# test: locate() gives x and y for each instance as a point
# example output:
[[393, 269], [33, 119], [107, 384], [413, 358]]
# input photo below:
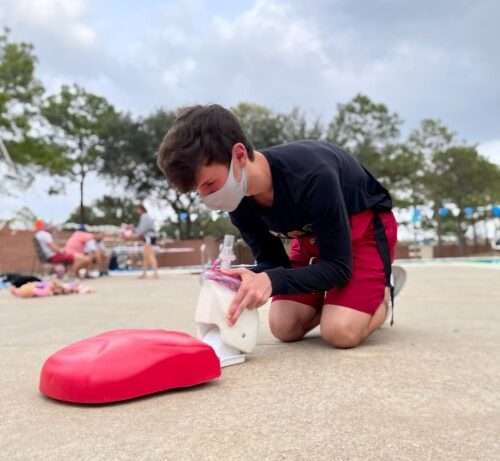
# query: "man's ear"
[[240, 154]]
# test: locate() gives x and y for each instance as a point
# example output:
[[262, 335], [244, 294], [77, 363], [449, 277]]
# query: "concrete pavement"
[[426, 389]]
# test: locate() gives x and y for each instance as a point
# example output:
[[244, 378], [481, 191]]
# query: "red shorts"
[[365, 290], [61, 258]]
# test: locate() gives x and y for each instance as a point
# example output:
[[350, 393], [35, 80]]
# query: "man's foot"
[[142, 276], [398, 279], [92, 275], [398, 282]]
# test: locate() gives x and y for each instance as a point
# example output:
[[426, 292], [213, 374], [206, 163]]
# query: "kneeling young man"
[[337, 215]]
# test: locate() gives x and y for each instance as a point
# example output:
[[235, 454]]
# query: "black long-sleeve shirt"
[[316, 187]]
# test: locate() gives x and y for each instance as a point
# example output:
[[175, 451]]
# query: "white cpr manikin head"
[[213, 303]]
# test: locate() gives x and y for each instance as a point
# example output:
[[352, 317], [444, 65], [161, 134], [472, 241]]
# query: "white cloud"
[[281, 55], [174, 75], [43, 12], [422, 64], [490, 149], [274, 24], [266, 54], [83, 34], [438, 62], [61, 19], [53, 208]]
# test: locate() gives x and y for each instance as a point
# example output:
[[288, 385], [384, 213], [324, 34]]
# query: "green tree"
[[266, 128], [364, 128], [219, 227], [203, 225], [130, 159], [402, 171], [370, 132], [425, 143], [80, 120], [263, 127], [20, 120], [108, 210], [463, 177], [294, 127], [430, 137], [20, 91]]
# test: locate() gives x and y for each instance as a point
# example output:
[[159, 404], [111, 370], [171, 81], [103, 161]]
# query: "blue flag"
[[444, 212]]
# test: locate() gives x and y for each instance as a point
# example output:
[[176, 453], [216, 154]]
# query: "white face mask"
[[229, 196]]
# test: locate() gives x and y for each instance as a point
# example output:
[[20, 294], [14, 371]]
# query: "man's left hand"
[[254, 291]]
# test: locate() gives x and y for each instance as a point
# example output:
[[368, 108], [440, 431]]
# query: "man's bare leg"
[[105, 261], [291, 320], [149, 252], [154, 263], [102, 261], [80, 262], [145, 262], [380, 315], [344, 327]]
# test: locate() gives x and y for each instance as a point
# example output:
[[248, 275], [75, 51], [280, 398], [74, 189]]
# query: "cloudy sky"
[[423, 59]]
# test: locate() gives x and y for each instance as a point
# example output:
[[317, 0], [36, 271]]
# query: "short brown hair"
[[200, 135]]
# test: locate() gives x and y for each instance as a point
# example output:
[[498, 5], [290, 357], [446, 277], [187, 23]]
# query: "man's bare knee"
[[286, 330], [290, 320], [342, 336]]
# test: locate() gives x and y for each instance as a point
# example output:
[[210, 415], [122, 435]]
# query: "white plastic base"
[[227, 355], [213, 303]]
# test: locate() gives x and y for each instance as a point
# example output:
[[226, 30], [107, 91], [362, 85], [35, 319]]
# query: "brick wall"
[[452, 251], [17, 253], [181, 253], [405, 250]]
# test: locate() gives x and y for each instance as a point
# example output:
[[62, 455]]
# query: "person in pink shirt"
[[75, 245], [85, 244]]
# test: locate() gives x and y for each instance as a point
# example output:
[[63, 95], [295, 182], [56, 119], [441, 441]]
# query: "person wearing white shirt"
[[146, 232], [56, 255]]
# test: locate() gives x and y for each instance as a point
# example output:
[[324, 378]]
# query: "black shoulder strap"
[[385, 255]]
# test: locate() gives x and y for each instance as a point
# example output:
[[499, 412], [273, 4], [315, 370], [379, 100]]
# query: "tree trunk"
[[180, 228], [461, 236], [188, 226], [180, 224], [439, 225], [474, 233], [439, 232], [82, 209]]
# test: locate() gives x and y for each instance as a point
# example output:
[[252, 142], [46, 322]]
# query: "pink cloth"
[[49, 288], [76, 243], [42, 289], [232, 282]]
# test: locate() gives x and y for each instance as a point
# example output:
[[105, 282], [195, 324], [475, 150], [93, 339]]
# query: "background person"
[[55, 254], [87, 244], [145, 232]]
